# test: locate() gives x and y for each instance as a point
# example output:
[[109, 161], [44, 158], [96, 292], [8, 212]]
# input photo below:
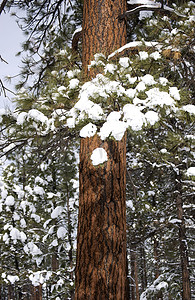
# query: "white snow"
[[163, 81], [132, 2], [148, 79], [143, 55], [110, 68], [36, 278], [134, 118], [79, 29], [130, 93], [9, 201], [189, 108], [17, 235], [155, 55], [156, 97], [174, 92], [61, 89], [99, 156], [163, 150], [131, 80], [88, 130], [21, 118], [114, 128], [124, 62], [141, 86], [162, 285], [39, 190], [31, 248], [57, 212], [152, 117], [61, 232], [73, 84], [36, 218], [12, 279], [190, 171]]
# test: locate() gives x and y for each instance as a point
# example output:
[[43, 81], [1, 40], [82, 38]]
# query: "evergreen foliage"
[[39, 181]]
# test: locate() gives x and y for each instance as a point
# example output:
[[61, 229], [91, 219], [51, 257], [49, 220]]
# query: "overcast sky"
[[10, 43]]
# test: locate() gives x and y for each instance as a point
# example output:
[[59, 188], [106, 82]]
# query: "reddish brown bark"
[[36, 292], [101, 241], [101, 271], [102, 32]]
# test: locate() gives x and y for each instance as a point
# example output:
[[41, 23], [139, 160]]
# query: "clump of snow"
[[31, 248], [189, 108], [88, 130], [131, 80], [143, 55], [133, 117], [99, 156], [110, 68], [10, 201], [130, 93], [174, 92], [163, 151], [36, 278], [163, 81], [73, 84], [124, 62], [15, 235], [141, 86], [152, 117], [148, 79], [57, 212], [156, 97], [155, 55], [12, 279], [113, 128], [162, 285], [61, 232], [39, 190], [190, 171]]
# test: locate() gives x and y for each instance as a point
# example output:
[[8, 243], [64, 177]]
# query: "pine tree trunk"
[[36, 292], [101, 241], [186, 290], [134, 274], [101, 238], [156, 258], [143, 269], [102, 31]]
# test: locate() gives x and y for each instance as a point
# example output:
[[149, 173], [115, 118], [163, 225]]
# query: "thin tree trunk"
[[36, 292], [134, 275], [101, 239], [186, 290], [156, 258], [143, 269]]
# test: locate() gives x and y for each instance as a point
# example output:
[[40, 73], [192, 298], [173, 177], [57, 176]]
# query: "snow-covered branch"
[[150, 7]]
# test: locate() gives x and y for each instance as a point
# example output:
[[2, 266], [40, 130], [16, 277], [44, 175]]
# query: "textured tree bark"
[[101, 271], [101, 241], [36, 292], [186, 289], [102, 32]]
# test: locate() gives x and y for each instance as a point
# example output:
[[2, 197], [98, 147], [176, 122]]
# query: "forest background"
[[146, 87]]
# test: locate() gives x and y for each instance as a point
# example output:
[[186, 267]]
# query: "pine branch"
[[2, 6], [157, 7]]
